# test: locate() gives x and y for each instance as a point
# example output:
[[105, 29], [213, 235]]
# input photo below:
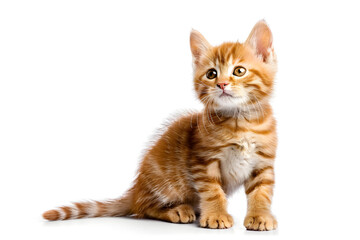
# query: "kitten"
[[203, 157]]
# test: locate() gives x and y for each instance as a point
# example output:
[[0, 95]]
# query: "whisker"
[[207, 109], [197, 122], [261, 108], [204, 124]]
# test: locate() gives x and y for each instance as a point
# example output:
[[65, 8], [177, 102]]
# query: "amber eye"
[[211, 74], [239, 71]]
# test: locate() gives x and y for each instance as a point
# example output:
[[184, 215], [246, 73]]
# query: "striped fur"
[[203, 157], [110, 208]]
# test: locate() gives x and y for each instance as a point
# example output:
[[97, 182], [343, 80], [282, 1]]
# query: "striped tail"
[[111, 208]]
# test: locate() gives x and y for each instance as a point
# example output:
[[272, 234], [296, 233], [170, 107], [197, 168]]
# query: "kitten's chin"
[[231, 106], [229, 102]]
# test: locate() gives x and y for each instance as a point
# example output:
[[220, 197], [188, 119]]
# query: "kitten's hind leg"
[[183, 213]]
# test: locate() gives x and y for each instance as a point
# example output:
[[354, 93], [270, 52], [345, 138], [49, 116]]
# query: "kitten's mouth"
[[224, 94]]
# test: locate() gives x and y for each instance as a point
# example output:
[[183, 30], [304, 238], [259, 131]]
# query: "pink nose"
[[222, 85]]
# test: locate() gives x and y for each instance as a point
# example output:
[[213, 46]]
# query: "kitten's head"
[[234, 76]]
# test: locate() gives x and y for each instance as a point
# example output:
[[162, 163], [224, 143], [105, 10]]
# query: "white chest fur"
[[237, 162]]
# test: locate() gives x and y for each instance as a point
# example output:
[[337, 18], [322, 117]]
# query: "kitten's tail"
[[110, 208]]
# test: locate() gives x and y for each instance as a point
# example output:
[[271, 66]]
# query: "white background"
[[85, 84]]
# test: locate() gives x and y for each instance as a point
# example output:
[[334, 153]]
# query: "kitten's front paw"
[[216, 220], [260, 222]]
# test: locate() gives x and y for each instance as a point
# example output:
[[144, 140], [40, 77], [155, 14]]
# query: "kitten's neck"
[[247, 113]]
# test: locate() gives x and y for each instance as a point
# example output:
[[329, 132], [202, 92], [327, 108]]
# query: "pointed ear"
[[198, 45], [260, 39]]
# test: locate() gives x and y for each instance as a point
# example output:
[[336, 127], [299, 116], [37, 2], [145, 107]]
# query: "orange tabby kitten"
[[201, 158]]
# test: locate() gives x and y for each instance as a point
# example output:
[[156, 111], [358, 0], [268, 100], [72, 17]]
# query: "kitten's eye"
[[211, 74], [239, 71]]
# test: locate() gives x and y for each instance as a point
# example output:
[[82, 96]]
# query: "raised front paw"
[[260, 222], [216, 220]]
